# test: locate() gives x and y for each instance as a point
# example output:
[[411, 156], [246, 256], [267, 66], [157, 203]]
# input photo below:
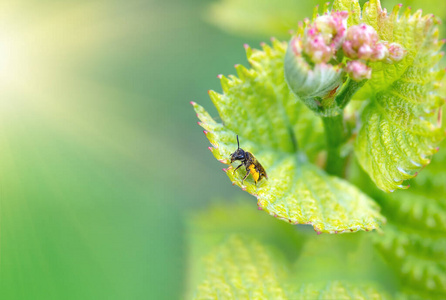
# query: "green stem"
[[335, 131], [335, 136], [346, 94]]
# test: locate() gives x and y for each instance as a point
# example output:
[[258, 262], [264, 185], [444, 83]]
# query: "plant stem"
[[335, 131], [335, 135], [348, 91]]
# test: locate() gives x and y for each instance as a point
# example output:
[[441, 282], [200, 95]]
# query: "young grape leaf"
[[259, 108], [401, 123]]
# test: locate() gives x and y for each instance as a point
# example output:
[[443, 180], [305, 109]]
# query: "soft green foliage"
[[414, 243], [259, 107], [244, 269], [394, 127], [241, 269], [400, 129], [398, 134], [235, 255]]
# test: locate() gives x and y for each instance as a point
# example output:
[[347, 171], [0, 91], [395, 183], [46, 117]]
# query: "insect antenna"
[[238, 144]]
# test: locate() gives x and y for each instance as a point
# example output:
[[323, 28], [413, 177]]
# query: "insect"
[[250, 162]]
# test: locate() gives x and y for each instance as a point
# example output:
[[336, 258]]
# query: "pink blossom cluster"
[[325, 36], [358, 70], [360, 43]]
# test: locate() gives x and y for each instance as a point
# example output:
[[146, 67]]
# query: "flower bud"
[[365, 52], [380, 52], [317, 50], [360, 41], [325, 36], [311, 83], [396, 52], [358, 70], [333, 28]]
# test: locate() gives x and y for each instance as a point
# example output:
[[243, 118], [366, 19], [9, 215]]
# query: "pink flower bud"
[[325, 36], [316, 48], [296, 46], [362, 34], [396, 52], [358, 70], [333, 28], [365, 52], [360, 41], [348, 49], [380, 52]]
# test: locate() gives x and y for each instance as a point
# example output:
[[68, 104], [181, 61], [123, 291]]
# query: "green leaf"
[[339, 290], [418, 258], [242, 268], [431, 182], [234, 250], [429, 213], [400, 125], [272, 124], [414, 243]]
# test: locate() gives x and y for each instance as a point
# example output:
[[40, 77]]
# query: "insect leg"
[[238, 167], [247, 174]]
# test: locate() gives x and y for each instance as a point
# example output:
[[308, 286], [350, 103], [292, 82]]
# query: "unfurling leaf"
[[400, 125], [285, 137]]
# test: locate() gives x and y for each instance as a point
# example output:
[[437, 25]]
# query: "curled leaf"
[[312, 82]]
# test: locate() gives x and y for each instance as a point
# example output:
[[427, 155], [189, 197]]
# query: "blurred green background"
[[101, 156]]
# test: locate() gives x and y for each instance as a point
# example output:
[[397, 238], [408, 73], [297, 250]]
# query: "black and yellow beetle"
[[250, 162]]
